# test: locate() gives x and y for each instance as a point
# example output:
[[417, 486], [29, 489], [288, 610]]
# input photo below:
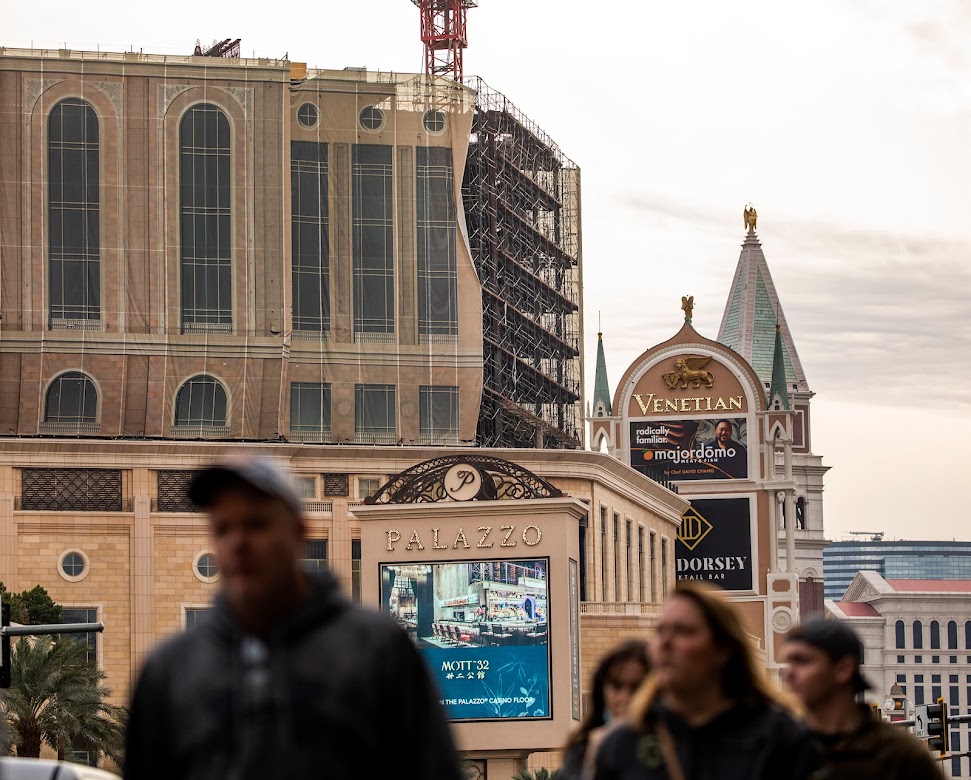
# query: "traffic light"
[[938, 738]]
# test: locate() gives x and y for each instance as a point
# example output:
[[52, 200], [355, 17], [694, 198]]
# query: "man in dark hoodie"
[[286, 679], [823, 671]]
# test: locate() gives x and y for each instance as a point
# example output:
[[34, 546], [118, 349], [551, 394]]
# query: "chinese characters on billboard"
[[690, 449], [715, 543], [482, 627]]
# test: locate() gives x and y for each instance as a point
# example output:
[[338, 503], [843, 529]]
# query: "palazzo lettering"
[[531, 536]]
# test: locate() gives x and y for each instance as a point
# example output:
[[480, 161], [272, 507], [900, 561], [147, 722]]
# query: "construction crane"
[[443, 33]]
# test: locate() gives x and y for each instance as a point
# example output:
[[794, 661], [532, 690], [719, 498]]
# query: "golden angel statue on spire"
[[687, 306], [750, 217]]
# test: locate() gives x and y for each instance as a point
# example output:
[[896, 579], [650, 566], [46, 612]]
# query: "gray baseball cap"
[[263, 474]]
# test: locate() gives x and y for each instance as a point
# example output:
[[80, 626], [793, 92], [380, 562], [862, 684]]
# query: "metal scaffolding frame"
[[522, 205]]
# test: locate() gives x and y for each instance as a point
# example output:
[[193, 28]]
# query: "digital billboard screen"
[[690, 449], [483, 628]]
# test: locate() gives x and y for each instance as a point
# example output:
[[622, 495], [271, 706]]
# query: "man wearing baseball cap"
[[823, 670], [286, 679]]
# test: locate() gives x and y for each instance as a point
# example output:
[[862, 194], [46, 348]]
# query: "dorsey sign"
[[715, 543]]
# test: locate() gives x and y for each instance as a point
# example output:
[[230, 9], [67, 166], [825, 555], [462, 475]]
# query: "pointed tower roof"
[[751, 315], [778, 388], [601, 390]]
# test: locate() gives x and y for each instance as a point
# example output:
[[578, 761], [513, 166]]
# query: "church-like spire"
[[601, 390], [752, 313], [777, 390]]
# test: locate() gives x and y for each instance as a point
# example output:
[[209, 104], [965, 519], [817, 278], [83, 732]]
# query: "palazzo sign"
[[715, 543]]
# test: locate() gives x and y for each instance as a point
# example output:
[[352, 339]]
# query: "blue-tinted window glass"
[[952, 635], [201, 402], [935, 635], [918, 635], [899, 630]]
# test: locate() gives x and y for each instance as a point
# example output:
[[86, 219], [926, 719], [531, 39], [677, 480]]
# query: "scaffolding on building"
[[522, 205]]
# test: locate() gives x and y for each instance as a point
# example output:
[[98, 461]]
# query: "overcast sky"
[[847, 124]]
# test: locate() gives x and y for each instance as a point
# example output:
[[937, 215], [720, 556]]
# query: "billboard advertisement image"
[[482, 626], [715, 543], [690, 449]]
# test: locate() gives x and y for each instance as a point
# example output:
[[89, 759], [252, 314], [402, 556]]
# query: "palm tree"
[[56, 697]]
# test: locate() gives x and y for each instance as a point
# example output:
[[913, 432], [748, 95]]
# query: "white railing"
[[318, 506], [619, 608]]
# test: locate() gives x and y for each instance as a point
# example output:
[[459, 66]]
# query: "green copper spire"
[[778, 387], [601, 390]]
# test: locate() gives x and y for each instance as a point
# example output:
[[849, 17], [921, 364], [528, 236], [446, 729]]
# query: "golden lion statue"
[[690, 369]]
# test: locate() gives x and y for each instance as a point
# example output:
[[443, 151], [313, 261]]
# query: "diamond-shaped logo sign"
[[694, 527]]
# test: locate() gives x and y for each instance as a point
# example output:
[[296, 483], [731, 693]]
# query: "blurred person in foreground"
[[707, 712], [617, 676], [823, 671], [286, 679]]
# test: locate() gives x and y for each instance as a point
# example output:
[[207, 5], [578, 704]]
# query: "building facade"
[[197, 247], [201, 253], [894, 560], [916, 635]]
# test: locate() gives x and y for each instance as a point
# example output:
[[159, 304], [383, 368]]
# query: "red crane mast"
[[443, 33]]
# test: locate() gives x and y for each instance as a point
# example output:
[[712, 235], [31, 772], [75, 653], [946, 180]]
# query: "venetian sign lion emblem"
[[690, 368]]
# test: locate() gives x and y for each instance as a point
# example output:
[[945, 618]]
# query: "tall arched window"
[[900, 631], [952, 635], [72, 398], [967, 634], [201, 402], [935, 635], [73, 214], [918, 635], [206, 227]]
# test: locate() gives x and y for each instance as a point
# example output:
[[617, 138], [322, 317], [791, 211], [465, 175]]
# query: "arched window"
[[952, 635], [935, 635], [801, 514], [206, 227], [918, 635], [900, 631], [201, 402], [73, 213], [967, 634], [71, 398]]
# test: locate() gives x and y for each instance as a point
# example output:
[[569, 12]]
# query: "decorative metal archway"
[[463, 478]]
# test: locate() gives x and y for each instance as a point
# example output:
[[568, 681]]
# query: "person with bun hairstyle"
[[707, 712], [617, 677]]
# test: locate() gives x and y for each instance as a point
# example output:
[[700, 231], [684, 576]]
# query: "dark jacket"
[[341, 692], [877, 750], [743, 743]]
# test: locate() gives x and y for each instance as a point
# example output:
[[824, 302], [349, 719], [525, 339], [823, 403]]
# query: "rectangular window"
[[88, 639], [314, 559], [629, 562], [375, 420], [640, 563], [367, 486], [373, 237], [664, 569], [438, 407], [653, 556], [617, 565], [310, 410], [953, 696], [195, 616], [918, 694], [306, 486], [437, 274], [956, 748], [310, 236], [206, 223], [603, 552], [356, 571], [73, 214], [583, 557]]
